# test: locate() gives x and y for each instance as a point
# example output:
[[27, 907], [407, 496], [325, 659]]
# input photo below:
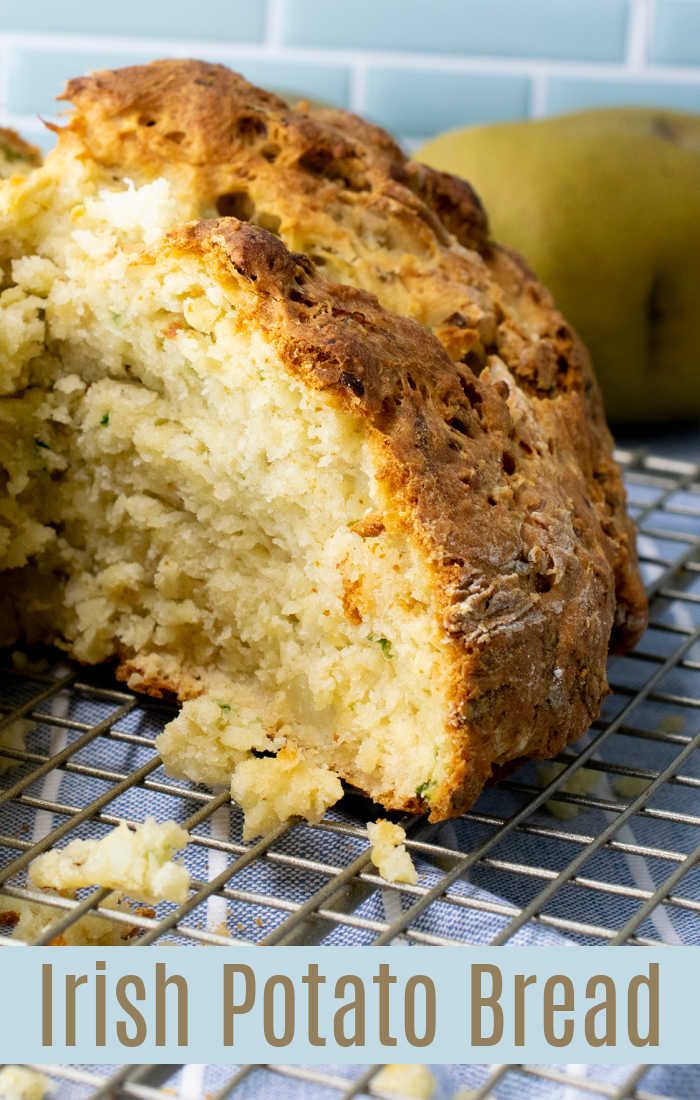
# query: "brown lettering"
[[606, 1009], [521, 983], [314, 979], [100, 1005], [384, 979], [481, 1000], [180, 985], [430, 1013], [233, 1008], [552, 1006], [126, 1003], [72, 983], [651, 984], [354, 1010], [47, 1005], [286, 985]]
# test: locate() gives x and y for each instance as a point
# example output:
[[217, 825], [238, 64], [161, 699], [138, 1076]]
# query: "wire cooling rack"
[[602, 847]]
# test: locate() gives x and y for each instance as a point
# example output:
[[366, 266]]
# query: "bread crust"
[[489, 434], [341, 190]]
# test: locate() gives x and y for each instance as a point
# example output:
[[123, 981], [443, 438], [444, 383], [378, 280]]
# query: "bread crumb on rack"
[[406, 1081], [20, 1083], [273, 789], [672, 723], [137, 861], [582, 782], [22, 662], [388, 852], [215, 732], [13, 736], [30, 919], [630, 786]]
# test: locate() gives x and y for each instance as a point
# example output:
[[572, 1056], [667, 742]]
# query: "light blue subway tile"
[[419, 101], [574, 29], [225, 20], [46, 140], [675, 38], [327, 82], [567, 94], [37, 76]]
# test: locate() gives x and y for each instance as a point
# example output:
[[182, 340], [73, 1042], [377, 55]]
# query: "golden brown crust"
[[560, 347], [495, 445], [146, 676], [341, 190], [556, 357]]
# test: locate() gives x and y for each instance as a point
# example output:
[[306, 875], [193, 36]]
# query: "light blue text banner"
[[318, 1005]]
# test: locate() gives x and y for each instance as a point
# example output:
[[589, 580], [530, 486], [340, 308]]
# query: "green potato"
[[605, 207]]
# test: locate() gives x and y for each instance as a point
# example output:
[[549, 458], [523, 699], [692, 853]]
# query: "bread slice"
[[395, 555]]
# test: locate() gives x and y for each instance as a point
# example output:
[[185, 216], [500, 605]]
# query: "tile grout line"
[[331, 56], [358, 88], [274, 24], [4, 74], [638, 35], [538, 94]]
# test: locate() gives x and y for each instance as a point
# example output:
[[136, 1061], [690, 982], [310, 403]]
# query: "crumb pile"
[[28, 920], [21, 1083], [137, 861], [389, 853]]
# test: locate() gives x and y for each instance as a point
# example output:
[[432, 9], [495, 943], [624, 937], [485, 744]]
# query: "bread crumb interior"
[[171, 496]]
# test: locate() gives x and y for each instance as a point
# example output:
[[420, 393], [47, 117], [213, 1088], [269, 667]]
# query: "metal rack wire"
[[602, 848]]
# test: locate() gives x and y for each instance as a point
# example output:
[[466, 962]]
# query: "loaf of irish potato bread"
[[286, 435]]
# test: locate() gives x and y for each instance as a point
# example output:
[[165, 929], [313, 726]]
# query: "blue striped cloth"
[[481, 903]]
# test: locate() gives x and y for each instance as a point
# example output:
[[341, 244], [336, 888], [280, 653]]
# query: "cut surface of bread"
[[386, 544]]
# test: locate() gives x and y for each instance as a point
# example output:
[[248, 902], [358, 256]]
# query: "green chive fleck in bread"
[[287, 436], [17, 157]]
